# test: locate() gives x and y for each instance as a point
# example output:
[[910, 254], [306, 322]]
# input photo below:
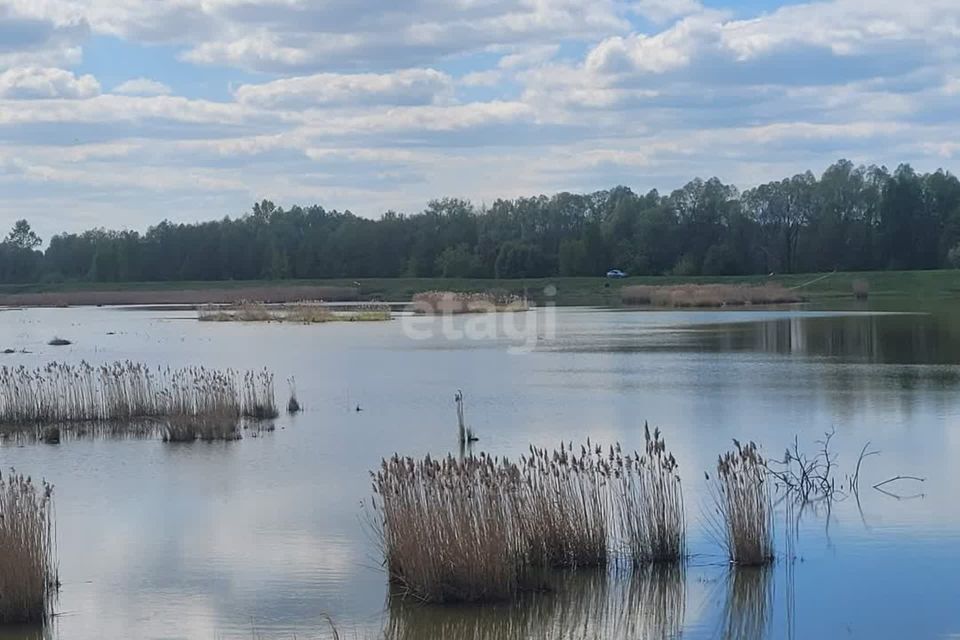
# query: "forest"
[[851, 218]]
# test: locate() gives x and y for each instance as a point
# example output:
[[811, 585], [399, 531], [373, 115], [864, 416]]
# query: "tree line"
[[849, 218]]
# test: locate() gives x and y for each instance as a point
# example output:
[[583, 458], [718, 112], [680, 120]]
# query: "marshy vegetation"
[[28, 568], [650, 504], [482, 528], [453, 303], [306, 312], [743, 516], [183, 404], [293, 404], [708, 295]]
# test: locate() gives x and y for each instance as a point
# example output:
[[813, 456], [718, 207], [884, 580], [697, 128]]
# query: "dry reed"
[[476, 528], [707, 295], [743, 519], [127, 392], [448, 531], [563, 507], [451, 302], [649, 500], [28, 570], [293, 405], [306, 312]]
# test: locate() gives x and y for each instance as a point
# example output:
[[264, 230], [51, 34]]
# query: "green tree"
[[22, 236], [458, 262]]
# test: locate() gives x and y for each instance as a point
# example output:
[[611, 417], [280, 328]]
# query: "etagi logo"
[[461, 317]]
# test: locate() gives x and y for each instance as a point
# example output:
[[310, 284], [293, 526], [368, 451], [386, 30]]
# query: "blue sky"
[[121, 113]]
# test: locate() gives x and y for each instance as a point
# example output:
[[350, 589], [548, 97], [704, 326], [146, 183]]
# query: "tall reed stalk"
[[28, 570], [563, 507], [448, 531], [743, 518], [649, 501]]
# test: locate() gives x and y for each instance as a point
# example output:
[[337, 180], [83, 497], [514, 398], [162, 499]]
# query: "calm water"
[[265, 537]]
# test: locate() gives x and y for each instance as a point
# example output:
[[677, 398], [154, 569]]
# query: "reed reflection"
[[748, 608], [647, 603]]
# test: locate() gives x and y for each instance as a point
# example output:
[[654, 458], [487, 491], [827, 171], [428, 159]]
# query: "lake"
[[266, 537]]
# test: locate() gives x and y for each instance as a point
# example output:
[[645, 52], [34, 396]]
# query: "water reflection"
[[887, 338], [26, 632], [891, 338], [215, 541], [648, 603], [748, 609]]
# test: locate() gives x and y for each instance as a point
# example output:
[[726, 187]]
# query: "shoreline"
[[188, 296]]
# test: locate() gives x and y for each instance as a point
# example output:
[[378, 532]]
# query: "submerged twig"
[[896, 478]]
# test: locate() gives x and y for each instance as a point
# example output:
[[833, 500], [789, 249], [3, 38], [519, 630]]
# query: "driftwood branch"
[[896, 478]]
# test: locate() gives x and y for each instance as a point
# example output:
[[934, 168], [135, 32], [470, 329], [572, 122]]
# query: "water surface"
[[265, 537]]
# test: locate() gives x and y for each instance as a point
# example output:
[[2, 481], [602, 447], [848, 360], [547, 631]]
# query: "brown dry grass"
[[743, 515], [480, 528], [28, 570], [708, 295], [124, 393], [450, 302], [649, 501], [300, 312], [448, 533]]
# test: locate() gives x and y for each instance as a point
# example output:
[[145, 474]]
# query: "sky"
[[122, 113]]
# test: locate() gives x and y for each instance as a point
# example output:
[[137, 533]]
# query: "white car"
[[616, 273]]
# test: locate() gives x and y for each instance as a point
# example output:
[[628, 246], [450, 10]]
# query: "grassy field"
[[568, 291]]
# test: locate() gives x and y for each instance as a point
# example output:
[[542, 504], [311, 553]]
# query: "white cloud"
[[663, 10], [300, 36], [668, 50], [406, 87], [370, 105], [488, 78], [41, 32], [24, 83], [142, 87]]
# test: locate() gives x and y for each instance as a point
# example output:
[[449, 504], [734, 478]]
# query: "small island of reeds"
[[299, 312], [127, 397], [708, 295], [482, 528], [453, 302]]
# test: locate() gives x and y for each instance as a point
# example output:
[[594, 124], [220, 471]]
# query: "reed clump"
[[129, 392], [452, 302], [448, 531], [293, 404], [563, 507], [480, 528], [306, 312], [743, 518], [28, 570], [649, 503], [708, 295]]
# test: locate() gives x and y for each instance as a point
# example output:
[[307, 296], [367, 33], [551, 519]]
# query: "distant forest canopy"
[[850, 218]]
